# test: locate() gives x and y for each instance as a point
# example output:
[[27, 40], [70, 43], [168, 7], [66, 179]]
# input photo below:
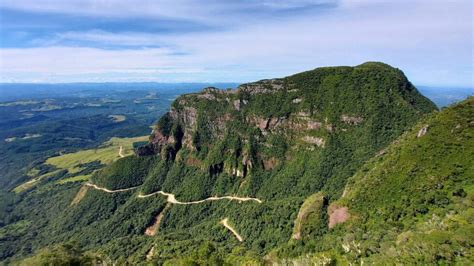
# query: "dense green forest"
[[410, 204], [335, 139]]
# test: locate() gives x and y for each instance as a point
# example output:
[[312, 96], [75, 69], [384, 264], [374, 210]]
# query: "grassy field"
[[76, 178], [74, 162], [31, 183]]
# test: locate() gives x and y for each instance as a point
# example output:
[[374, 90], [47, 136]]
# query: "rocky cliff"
[[263, 124]]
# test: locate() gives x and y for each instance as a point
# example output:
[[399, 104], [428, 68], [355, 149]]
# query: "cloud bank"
[[209, 41]]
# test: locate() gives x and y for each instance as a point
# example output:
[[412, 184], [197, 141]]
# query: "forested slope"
[[410, 204], [278, 140]]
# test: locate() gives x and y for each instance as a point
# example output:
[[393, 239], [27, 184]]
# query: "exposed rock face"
[[269, 124], [422, 131], [188, 116], [314, 125], [270, 163], [237, 105], [234, 131], [297, 100], [303, 114], [314, 140], [351, 120], [263, 86], [262, 123], [80, 195], [153, 228], [160, 139], [329, 128]]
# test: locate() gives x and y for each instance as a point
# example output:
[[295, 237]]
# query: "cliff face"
[[262, 125]]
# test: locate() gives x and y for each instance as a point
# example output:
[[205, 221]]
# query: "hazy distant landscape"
[[442, 96]]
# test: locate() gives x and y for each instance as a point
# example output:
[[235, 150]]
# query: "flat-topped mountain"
[[323, 117]]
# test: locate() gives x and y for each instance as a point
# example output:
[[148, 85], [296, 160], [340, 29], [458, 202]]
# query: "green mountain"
[[412, 203], [270, 171]]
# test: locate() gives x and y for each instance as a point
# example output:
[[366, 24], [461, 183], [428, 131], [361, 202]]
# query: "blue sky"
[[238, 40]]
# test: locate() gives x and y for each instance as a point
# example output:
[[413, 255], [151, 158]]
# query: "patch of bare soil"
[[150, 253], [270, 163], [80, 194], [337, 215], [153, 229], [422, 131], [193, 162]]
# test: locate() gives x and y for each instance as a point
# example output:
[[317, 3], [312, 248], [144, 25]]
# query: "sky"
[[59, 41]]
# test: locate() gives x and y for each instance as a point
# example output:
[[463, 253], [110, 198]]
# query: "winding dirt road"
[[171, 197], [121, 152], [225, 222], [108, 190]]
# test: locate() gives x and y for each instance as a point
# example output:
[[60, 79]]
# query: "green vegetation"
[[419, 194], [307, 145], [105, 154], [412, 203], [311, 219], [79, 166], [61, 255]]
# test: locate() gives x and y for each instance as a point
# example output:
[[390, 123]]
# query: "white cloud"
[[430, 40], [106, 38]]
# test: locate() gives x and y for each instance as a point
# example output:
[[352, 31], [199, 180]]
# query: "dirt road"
[[121, 152], [172, 199], [108, 190], [225, 222]]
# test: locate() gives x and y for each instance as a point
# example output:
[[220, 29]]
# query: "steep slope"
[[313, 121], [276, 141], [413, 203]]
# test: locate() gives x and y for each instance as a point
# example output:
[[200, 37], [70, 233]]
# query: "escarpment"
[[259, 125]]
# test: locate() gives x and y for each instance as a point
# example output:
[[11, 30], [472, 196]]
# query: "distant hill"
[[18, 91], [444, 96]]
